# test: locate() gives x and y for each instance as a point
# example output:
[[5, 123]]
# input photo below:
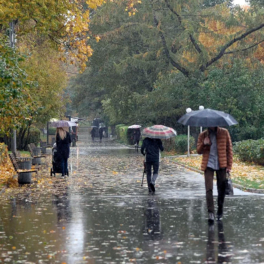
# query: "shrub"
[[124, 134], [34, 136], [250, 150], [169, 144], [181, 143], [52, 130]]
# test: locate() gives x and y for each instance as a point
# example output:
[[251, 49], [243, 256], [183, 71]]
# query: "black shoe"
[[211, 218], [152, 187], [219, 217], [219, 214]]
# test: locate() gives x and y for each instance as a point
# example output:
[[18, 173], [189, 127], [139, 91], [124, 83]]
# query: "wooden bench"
[[32, 153], [33, 146], [19, 158], [15, 165], [36, 159], [17, 155]]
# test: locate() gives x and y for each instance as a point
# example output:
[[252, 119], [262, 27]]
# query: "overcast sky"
[[239, 2]]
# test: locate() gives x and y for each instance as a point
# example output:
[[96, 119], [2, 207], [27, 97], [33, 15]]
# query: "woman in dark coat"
[[63, 141]]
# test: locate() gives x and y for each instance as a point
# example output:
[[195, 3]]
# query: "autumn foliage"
[[6, 168], [65, 23]]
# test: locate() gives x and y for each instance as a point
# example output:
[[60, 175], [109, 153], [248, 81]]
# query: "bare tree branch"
[[195, 44], [250, 47], [167, 53], [174, 12], [229, 44]]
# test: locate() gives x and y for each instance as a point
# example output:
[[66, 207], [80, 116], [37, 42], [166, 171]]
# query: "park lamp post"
[[201, 107], [188, 110], [12, 39]]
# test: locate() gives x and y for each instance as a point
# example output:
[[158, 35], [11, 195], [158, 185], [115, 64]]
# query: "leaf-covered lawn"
[[247, 174]]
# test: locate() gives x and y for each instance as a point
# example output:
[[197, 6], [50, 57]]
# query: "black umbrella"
[[207, 118]]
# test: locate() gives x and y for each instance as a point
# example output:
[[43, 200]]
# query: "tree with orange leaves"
[[64, 23]]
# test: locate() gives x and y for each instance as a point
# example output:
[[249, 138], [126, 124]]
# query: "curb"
[[6, 186], [3, 190], [238, 186]]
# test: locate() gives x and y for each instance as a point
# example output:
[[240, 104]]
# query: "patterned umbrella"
[[135, 126], [62, 123], [159, 131]]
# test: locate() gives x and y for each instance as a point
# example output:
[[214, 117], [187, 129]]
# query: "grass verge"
[[248, 175]]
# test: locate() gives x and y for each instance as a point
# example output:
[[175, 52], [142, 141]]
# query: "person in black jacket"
[[63, 141], [93, 133], [136, 136], [101, 130], [151, 148]]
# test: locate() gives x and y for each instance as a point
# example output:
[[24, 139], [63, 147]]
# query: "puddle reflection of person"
[[62, 203], [223, 256], [152, 228]]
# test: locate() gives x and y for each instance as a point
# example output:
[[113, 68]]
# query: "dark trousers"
[[220, 177], [149, 165], [64, 166]]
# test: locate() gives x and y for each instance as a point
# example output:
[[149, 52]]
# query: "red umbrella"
[[159, 131]]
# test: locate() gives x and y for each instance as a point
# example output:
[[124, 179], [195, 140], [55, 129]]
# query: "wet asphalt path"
[[101, 214]]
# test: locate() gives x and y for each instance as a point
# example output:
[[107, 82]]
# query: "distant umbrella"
[[159, 131], [135, 126], [62, 123], [207, 118]]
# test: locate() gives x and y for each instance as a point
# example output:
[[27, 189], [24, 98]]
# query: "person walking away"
[[137, 135], [100, 133], [93, 133], [63, 141], [151, 148], [216, 147]]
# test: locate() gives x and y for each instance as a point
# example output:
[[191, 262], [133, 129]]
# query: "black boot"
[[149, 189], [152, 186], [219, 214]]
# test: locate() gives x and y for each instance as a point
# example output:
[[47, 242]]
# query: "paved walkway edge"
[[6, 186], [3, 190], [238, 186]]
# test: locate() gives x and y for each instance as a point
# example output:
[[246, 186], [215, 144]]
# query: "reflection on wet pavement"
[[101, 214]]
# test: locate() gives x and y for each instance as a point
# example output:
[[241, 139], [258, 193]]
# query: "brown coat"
[[224, 148]]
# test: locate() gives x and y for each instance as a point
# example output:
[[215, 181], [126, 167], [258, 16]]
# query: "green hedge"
[[181, 144], [250, 150], [124, 134], [34, 136], [169, 144], [52, 130]]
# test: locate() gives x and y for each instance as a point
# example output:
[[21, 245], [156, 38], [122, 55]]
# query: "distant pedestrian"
[[101, 133], [63, 141], [136, 136], [93, 133], [216, 146], [151, 148]]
